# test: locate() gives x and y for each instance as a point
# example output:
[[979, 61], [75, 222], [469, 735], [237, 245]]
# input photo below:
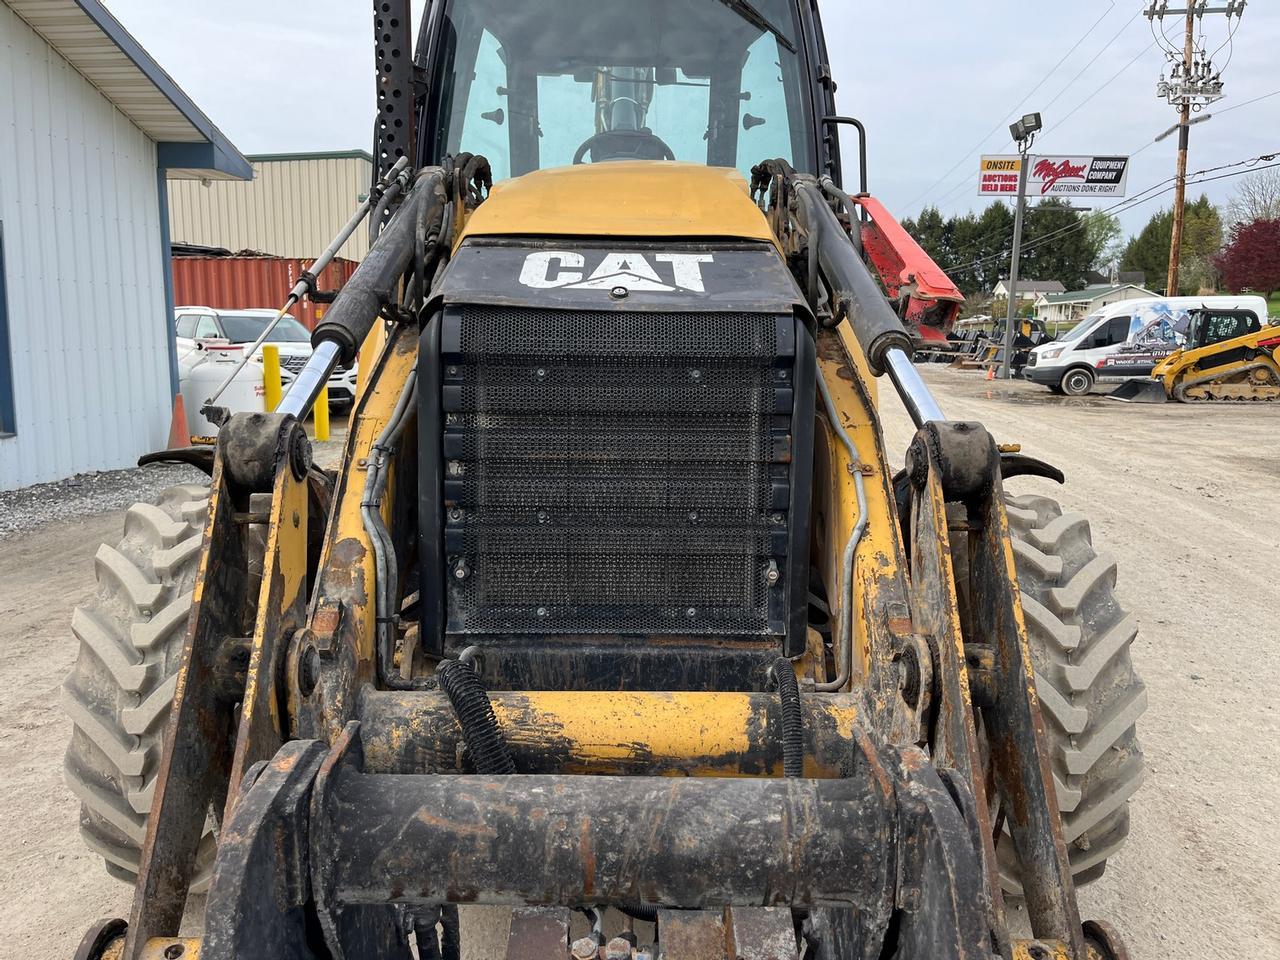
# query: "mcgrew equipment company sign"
[[1055, 176]]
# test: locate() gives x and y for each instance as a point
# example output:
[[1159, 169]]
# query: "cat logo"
[[566, 269]]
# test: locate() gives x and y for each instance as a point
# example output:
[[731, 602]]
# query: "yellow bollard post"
[[271, 376], [321, 414], [368, 355]]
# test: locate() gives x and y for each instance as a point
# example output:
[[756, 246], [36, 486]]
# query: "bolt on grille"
[[612, 472]]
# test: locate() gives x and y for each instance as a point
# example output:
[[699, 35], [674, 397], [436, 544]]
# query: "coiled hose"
[[792, 719], [480, 730]]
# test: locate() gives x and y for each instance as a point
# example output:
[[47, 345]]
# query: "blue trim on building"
[[203, 156], [224, 157], [8, 412]]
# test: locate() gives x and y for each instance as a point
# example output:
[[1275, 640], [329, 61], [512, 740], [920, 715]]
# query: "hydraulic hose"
[[445, 945], [466, 693], [784, 676], [386, 573], [844, 651]]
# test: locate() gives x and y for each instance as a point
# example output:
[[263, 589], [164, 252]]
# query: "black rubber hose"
[[450, 933], [480, 730], [792, 719], [424, 931]]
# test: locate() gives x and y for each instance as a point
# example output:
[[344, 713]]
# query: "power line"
[[1128, 204], [1085, 68], [977, 146], [1143, 196], [1105, 85], [960, 186], [1217, 113], [1237, 106]]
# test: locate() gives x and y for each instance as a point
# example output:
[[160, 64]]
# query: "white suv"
[[197, 327]]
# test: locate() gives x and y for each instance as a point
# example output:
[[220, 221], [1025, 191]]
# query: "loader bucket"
[[1140, 391]]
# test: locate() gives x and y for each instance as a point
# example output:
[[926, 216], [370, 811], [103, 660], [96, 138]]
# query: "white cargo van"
[[1123, 340]]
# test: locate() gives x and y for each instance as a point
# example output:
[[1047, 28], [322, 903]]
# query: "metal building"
[[295, 204], [92, 130]]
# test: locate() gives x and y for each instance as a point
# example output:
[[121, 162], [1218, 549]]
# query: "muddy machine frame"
[[844, 804]]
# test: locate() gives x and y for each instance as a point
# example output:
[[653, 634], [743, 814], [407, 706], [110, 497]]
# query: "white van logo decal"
[[567, 269]]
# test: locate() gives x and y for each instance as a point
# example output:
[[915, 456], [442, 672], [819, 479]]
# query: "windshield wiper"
[[753, 16]]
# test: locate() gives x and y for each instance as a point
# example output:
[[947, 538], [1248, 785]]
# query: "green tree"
[[930, 231], [1055, 248], [1105, 236], [1201, 241], [1149, 250]]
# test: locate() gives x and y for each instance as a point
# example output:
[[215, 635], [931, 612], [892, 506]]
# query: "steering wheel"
[[642, 144]]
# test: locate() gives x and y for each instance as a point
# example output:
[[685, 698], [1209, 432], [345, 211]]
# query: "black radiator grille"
[[611, 472]]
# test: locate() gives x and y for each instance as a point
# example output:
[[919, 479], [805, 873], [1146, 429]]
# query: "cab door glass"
[[207, 329], [764, 129], [186, 326], [487, 118]]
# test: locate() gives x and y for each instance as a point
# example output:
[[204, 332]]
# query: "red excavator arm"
[[925, 297]]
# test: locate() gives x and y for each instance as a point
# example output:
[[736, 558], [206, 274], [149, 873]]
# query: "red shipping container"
[[252, 283]]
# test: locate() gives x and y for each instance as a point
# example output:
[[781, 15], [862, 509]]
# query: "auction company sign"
[[1055, 176]]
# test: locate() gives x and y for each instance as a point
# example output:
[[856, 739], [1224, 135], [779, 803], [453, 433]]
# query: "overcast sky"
[[929, 78]]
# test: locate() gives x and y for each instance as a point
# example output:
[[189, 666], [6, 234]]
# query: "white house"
[[93, 129], [1057, 309], [1028, 290]]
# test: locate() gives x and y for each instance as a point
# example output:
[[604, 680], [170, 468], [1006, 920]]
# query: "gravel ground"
[[87, 494], [1178, 493]]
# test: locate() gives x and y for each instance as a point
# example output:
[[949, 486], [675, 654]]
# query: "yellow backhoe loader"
[[1228, 355], [615, 613]]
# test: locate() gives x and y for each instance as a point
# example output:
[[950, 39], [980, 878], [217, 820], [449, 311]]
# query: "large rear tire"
[[118, 694], [1090, 696]]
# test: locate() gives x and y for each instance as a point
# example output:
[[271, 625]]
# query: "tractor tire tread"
[[1090, 697], [131, 635]]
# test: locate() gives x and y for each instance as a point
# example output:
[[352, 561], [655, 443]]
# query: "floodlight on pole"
[[1025, 128], [1023, 132]]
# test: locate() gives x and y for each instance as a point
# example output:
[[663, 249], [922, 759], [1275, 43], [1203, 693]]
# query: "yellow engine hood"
[[637, 198]]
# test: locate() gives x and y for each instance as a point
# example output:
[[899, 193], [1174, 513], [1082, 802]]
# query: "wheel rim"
[[1077, 382]]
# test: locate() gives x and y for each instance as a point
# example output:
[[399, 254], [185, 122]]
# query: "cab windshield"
[[1080, 329], [532, 84]]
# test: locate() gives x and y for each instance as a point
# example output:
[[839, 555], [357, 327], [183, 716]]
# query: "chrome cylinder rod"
[[306, 386], [316, 268], [912, 389]]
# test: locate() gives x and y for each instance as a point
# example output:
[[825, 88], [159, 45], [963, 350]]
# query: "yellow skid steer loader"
[[1228, 355]]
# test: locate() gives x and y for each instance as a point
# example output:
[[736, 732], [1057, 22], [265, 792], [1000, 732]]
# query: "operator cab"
[[533, 84]]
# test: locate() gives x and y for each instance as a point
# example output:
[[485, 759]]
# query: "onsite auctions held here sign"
[[1055, 176]]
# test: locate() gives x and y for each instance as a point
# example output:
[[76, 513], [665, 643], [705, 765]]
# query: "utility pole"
[[1194, 85], [1180, 185], [1023, 133]]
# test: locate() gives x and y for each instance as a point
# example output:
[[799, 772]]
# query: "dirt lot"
[[1184, 496]]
